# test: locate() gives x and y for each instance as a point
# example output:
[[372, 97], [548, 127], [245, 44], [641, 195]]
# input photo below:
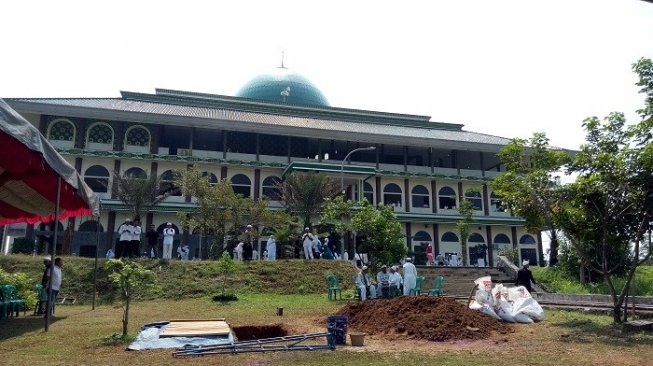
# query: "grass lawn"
[[76, 338], [558, 281]]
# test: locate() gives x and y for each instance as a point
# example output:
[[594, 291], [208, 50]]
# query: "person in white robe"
[[364, 284], [271, 247], [410, 276], [168, 239]]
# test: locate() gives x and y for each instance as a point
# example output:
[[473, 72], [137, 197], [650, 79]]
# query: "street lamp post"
[[342, 166]]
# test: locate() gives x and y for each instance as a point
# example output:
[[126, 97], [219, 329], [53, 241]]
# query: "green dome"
[[283, 86]]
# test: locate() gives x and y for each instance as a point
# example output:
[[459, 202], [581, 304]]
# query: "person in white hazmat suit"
[[410, 276]]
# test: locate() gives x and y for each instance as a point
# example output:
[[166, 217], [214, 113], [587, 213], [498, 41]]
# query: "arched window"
[[90, 225], [476, 238], [270, 188], [210, 177], [137, 136], [167, 184], [97, 178], [475, 198], [447, 198], [450, 237], [392, 195], [420, 197], [61, 130], [496, 203], [501, 239], [422, 236], [241, 184], [136, 173], [100, 133], [527, 239]]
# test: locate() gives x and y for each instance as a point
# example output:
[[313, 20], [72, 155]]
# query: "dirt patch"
[[426, 318], [249, 332]]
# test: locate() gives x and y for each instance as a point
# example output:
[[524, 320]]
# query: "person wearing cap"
[[395, 281], [383, 281], [410, 276], [439, 260], [168, 239], [525, 276], [248, 248], [307, 243], [135, 241], [364, 284], [125, 231]]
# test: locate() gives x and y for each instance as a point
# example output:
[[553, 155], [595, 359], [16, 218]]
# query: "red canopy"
[[29, 169]]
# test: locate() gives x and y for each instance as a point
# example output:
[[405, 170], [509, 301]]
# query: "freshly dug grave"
[[422, 317]]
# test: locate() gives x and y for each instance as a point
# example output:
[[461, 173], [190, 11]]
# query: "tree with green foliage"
[[139, 194], [466, 211], [384, 242], [227, 267], [131, 278], [339, 211], [529, 187], [286, 237], [304, 194], [609, 208]]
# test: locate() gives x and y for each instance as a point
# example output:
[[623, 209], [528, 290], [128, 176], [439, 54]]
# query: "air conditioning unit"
[[184, 152]]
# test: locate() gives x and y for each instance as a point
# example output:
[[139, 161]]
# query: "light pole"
[[342, 166]]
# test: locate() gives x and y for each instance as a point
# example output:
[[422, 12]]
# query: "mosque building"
[[276, 124]]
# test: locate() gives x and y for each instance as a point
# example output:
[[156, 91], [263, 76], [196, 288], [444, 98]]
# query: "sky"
[[507, 68]]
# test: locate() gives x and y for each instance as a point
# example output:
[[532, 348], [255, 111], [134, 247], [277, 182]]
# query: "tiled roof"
[[206, 117]]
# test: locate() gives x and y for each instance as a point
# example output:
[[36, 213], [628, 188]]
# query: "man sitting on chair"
[[383, 282], [395, 280], [364, 284]]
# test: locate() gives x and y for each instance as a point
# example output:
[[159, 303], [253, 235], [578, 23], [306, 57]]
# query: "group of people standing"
[[387, 283], [129, 242], [314, 248]]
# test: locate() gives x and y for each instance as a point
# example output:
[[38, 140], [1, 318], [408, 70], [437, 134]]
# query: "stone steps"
[[458, 281]]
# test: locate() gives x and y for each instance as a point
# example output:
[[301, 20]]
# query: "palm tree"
[[304, 194], [140, 194]]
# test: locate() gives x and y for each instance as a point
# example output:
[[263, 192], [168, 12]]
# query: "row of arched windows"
[[451, 237], [98, 133], [421, 198], [97, 177]]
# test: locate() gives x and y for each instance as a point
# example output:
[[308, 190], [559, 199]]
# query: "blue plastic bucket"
[[337, 326]]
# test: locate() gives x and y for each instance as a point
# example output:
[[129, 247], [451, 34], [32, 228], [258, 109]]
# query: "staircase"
[[459, 281]]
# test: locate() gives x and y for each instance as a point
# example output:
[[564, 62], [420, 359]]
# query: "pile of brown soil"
[[422, 317]]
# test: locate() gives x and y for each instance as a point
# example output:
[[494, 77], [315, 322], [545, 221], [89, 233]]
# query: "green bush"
[[24, 285], [558, 280]]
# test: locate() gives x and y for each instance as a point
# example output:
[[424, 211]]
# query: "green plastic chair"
[[417, 290], [42, 297], [14, 303], [333, 287], [437, 288], [5, 304]]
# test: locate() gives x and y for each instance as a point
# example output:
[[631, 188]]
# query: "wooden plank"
[[197, 320], [189, 328]]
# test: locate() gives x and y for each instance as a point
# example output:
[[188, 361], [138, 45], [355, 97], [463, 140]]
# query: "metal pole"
[[200, 245], [48, 310], [97, 249], [342, 165]]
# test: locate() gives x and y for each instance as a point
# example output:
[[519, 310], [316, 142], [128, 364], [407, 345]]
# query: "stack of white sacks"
[[511, 304]]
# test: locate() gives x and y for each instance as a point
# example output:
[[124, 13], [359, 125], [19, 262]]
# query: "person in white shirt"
[[238, 251], [307, 242], [168, 238], [317, 247], [383, 282], [135, 242], [54, 281], [364, 284], [395, 278], [410, 276], [271, 247], [125, 232]]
